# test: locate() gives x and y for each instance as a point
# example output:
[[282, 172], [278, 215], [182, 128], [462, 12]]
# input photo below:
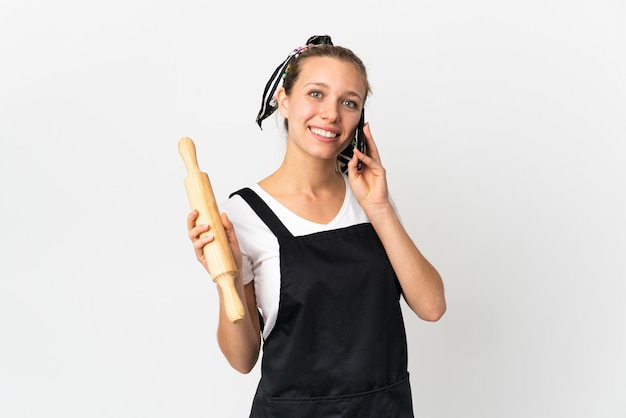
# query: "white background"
[[502, 126]]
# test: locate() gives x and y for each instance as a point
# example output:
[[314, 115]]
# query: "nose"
[[330, 111]]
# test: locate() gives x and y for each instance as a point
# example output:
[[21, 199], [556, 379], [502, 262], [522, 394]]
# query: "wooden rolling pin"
[[219, 257]]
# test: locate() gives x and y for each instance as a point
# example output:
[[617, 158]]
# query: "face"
[[324, 107]]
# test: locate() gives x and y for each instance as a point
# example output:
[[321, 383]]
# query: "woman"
[[322, 255]]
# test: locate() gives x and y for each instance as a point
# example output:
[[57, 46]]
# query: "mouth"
[[324, 133]]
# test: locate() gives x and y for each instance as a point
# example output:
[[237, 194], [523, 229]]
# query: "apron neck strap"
[[264, 212]]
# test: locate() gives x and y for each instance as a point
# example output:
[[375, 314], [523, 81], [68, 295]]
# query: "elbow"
[[244, 363], [242, 358], [433, 313], [243, 369], [243, 366]]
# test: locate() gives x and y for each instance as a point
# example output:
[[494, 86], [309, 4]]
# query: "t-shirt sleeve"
[[246, 269]]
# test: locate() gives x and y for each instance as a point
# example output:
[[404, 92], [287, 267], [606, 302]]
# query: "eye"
[[315, 93], [350, 104]]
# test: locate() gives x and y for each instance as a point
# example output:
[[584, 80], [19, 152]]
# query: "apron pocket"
[[393, 401]]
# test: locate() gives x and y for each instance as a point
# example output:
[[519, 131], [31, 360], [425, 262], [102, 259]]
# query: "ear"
[[283, 102]]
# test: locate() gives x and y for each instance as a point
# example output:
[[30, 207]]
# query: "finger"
[[372, 149], [366, 159], [191, 219], [202, 241], [352, 164], [229, 228], [226, 222], [198, 230]]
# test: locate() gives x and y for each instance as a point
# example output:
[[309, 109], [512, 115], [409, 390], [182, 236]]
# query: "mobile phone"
[[359, 138]]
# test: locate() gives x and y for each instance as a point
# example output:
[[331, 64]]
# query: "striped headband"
[[269, 104]]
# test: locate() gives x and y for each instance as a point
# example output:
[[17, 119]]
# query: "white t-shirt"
[[259, 246]]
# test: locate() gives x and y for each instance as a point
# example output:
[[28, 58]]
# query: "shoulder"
[[246, 222], [236, 208]]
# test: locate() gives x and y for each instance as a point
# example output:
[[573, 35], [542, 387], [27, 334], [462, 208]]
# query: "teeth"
[[324, 133]]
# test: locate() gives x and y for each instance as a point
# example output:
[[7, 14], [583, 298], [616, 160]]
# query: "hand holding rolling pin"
[[212, 234]]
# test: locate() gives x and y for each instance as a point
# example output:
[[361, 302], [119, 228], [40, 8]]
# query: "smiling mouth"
[[324, 133]]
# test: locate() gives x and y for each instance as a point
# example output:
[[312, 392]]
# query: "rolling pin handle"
[[187, 150]]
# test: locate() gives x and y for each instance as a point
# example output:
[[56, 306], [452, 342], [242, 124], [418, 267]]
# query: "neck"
[[311, 177], [306, 178], [306, 169]]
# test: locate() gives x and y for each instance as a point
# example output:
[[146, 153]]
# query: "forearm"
[[421, 284], [240, 342]]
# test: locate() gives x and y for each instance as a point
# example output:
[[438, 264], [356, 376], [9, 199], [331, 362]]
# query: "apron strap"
[[264, 212]]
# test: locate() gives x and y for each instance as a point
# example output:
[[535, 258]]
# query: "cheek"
[[308, 108], [354, 123], [302, 112]]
